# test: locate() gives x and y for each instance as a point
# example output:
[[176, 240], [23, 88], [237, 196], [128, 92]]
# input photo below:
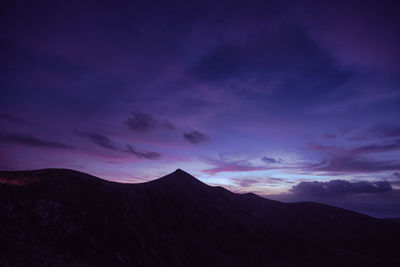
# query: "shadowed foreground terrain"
[[63, 217]]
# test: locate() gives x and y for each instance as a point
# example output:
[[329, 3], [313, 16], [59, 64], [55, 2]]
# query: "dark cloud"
[[269, 160], [10, 118], [195, 137], [100, 140], [143, 122], [142, 154], [340, 187], [106, 142], [29, 140]]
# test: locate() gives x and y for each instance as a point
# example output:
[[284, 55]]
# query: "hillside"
[[63, 217]]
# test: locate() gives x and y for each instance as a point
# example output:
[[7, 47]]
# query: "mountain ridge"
[[64, 217]]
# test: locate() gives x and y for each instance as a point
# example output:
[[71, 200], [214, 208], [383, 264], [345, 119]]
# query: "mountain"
[[62, 217]]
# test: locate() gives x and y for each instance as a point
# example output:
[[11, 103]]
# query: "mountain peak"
[[180, 172], [180, 178]]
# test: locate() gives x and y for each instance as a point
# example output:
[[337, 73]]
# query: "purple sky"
[[257, 96]]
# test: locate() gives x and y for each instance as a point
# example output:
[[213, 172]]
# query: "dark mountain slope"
[[64, 217]]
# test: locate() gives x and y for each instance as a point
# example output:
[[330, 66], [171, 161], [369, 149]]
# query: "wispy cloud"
[[30, 140], [142, 154], [106, 142], [100, 140]]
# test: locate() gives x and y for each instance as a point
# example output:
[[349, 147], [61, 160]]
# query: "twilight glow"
[[280, 98]]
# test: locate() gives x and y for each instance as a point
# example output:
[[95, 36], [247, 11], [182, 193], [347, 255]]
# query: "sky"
[[292, 100]]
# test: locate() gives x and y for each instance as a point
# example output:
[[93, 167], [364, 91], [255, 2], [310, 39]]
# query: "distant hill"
[[62, 217]]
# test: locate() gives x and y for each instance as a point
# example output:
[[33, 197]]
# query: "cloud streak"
[[144, 122], [195, 137], [105, 142], [29, 140], [142, 154], [101, 140]]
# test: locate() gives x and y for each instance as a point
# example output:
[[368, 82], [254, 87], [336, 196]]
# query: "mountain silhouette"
[[62, 217]]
